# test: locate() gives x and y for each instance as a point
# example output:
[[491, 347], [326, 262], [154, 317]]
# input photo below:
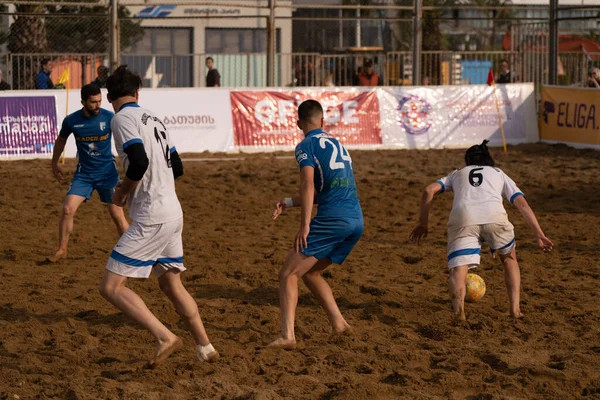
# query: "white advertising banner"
[[437, 117], [197, 119]]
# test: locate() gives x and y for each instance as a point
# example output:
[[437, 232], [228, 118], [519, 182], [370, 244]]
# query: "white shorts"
[[144, 247], [464, 244]]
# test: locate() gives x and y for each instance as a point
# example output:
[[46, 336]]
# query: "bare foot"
[[60, 255], [517, 314], [164, 350], [460, 318], [345, 330], [282, 343]]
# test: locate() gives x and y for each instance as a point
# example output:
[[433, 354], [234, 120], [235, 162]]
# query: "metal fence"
[[167, 42], [305, 69]]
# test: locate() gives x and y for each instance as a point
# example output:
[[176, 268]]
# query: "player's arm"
[[138, 164], [176, 163], [422, 228], [307, 194], [288, 202], [59, 147], [543, 242]]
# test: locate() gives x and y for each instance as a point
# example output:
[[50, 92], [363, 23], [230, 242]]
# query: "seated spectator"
[[42, 79], [368, 77], [3, 84], [425, 81], [100, 81]]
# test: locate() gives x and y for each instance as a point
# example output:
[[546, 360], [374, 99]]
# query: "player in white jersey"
[[478, 216], [153, 240]]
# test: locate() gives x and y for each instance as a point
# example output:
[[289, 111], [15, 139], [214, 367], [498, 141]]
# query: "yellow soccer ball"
[[475, 288]]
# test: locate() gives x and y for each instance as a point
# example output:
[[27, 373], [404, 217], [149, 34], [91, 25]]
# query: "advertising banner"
[[456, 116], [570, 115], [197, 120], [268, 119], [28, 126]]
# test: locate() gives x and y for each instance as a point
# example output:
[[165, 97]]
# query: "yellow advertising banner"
[[570, 115]]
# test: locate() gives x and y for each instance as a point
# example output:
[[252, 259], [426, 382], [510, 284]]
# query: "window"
[[235, 41], [163, 57]]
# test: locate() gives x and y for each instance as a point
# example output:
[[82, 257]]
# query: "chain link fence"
[[318, 43]]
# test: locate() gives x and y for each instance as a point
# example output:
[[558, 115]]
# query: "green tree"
[[27, 35], [3, 33], [89, 34]]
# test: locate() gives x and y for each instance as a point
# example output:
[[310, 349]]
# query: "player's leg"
[[458, 290], [134, 256], [168, 269], [114, 290], [106, 188], [501, 238], [464, 252], [322, 291], [118, 216], [65, 225], [294, 267], [512, 278], [351, 230], [185, 305]]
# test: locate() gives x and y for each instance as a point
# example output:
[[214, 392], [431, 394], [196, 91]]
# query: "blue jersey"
[[334, 179], [93, 139]]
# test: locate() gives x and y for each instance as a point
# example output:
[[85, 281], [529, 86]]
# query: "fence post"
[[417, 39], [114, 35], [553, 43], [271, 39]]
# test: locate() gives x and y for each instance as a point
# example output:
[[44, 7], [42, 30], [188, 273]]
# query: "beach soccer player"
[[96, 169], [478, 216], [154, 239], [327, 180]]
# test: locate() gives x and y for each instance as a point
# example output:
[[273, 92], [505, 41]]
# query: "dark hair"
[[210, 58], [123, 82], [503, 60], [479, 155], [44, 61], [89, 90], [102, 69], [309, 109]]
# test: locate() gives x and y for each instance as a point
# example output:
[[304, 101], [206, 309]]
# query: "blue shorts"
[[84, 184], [333, 237]]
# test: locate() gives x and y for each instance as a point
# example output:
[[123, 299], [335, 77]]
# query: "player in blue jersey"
[[96, 169], [327, 179]]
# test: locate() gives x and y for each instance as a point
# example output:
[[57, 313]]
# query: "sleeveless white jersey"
[[478, 194], [154, 200]]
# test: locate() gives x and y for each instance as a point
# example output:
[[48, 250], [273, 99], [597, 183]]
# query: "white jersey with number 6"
[[154, 200], [478, 194]]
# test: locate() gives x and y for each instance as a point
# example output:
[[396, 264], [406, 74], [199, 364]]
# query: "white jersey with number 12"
[[154, 201]]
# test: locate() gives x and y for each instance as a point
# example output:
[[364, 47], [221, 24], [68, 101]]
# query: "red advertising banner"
[[268, 119]]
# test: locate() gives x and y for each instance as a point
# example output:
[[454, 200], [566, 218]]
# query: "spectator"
[[367, 76], [3, 84], [304, 73], [213, 79], [42, 79], [506, 76], [593, 80], [100, 81], [425, 81]]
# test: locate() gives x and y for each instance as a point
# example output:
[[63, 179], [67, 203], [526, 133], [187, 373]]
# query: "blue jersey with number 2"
[[334, 179]]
